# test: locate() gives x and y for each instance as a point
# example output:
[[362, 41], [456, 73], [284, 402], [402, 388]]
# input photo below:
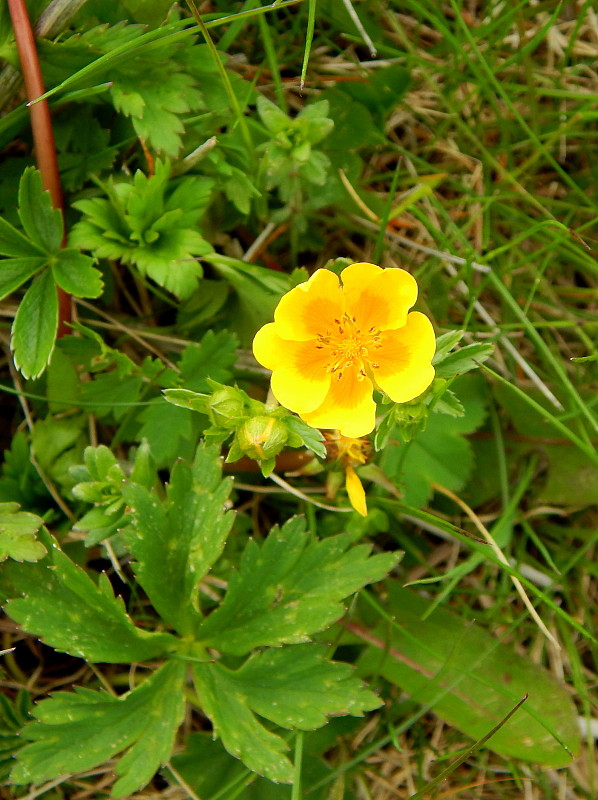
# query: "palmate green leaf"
[[175, 543], [471, 680], [42, 223], [290, 587], [294, 687], [17, 534], [77, 731], [57, 601], [34, 326], [15, 271], [76, 274]]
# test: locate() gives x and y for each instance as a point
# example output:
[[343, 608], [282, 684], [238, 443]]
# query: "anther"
[[375, 366]]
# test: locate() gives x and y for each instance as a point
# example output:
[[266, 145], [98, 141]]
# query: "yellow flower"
[[331, 344]]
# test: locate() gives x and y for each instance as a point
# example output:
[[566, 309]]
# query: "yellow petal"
[[356, 493], [378, 297], [404, 370], [310, 308], [348, 406], [299, 377]]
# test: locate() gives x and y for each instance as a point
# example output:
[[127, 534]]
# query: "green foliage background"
[[193, 605]]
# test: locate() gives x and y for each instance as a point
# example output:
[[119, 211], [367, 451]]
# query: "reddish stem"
[[41, 126]]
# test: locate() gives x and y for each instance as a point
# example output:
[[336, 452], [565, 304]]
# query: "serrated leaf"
[[34, 326], [76, 274], [13, 243], [75, 732], [42, 223], [17, 534], [294, 687], [240, 732], [61, 604], [175, 543], [471, 680], [15, 271], [290, 587], [298, 687]]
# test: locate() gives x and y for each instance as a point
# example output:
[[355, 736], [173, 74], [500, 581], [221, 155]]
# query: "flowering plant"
[[332, 343]]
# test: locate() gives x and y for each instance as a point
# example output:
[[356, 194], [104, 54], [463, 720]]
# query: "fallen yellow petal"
[[355, 491]]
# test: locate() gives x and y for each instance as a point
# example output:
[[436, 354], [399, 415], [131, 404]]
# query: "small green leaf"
[[77, 731], [61, 604], [34, 326], [471, 680], [463, 360], [42, 223], [15, 271], [13, 243], [17, 534], [289, 588], [76, 274], [176, 542]]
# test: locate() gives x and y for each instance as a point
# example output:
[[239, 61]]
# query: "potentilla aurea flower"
[[332, 343]]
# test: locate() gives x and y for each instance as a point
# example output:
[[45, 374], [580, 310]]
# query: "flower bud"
[[226, 407], [262, 437]]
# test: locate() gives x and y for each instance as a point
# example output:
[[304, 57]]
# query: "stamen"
[[339, 376], [375, 366]]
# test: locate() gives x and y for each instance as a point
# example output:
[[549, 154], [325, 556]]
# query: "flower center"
[[346, 345]]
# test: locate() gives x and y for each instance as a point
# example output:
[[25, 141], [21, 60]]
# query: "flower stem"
[[41, 126]]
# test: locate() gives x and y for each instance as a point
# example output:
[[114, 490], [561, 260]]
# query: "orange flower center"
[[347, 345]]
